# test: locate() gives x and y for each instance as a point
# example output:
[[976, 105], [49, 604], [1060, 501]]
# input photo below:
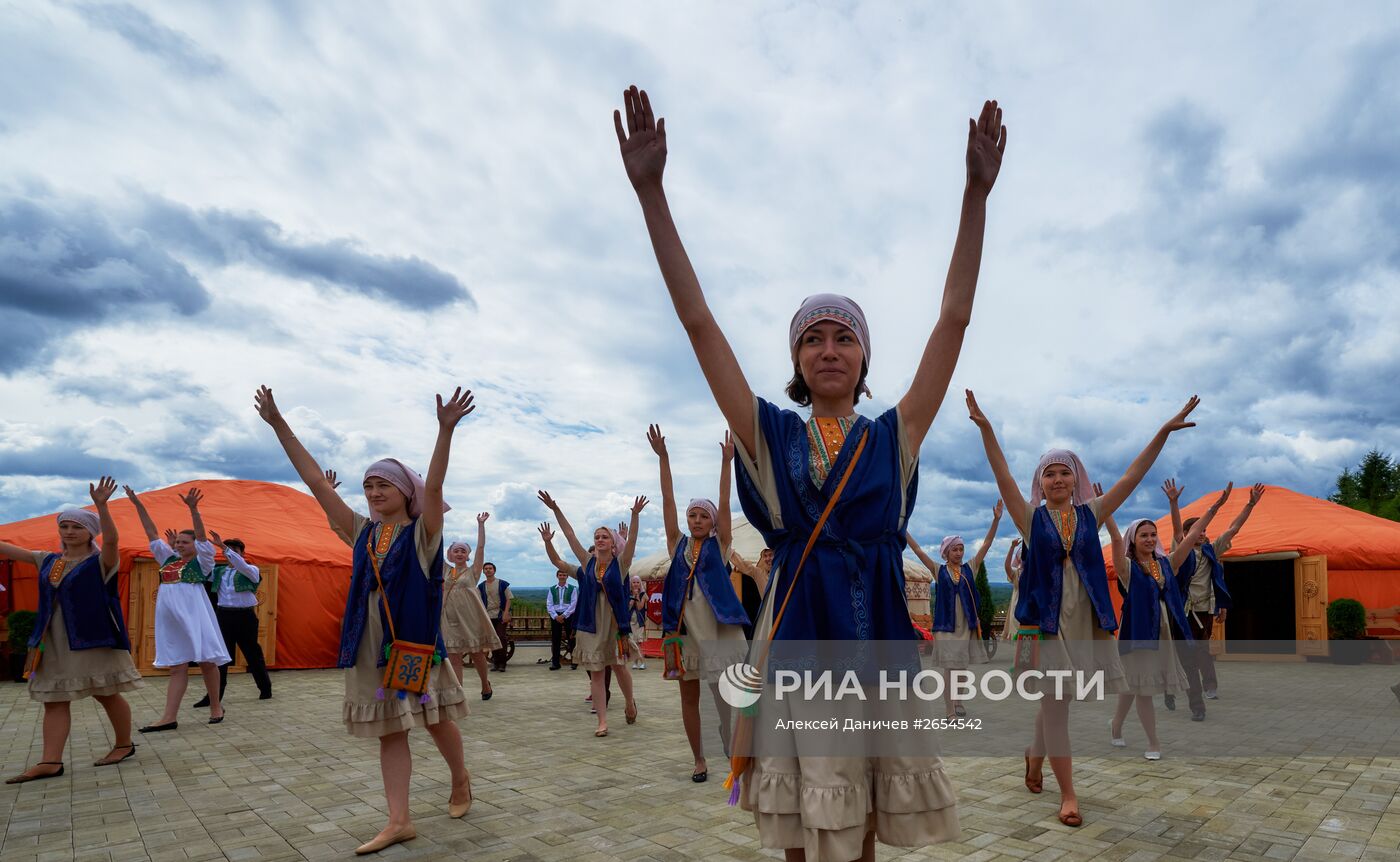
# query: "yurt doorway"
[[141, 619], [1279, 605]]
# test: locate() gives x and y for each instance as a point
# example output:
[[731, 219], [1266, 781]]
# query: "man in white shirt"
[[560, 603], [234, 589]]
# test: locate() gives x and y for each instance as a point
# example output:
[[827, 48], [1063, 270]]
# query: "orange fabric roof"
[[279, 524]]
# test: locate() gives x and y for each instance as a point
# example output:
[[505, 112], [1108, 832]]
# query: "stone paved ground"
[[281, 780]]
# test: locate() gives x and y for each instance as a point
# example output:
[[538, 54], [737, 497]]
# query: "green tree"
[[985, 606], [1373, 487]]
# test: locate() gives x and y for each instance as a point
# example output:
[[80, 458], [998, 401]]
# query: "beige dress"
[[66, 674], [707, 647], [365, 713], [1148, 671], [1080, 645], [466, 628], [597, 650], [827, 805], [960, 647]]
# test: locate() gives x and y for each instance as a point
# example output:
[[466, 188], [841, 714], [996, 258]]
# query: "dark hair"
[[191, 533], [1188, 524], [797, 387], [236, 544], [484, 565]]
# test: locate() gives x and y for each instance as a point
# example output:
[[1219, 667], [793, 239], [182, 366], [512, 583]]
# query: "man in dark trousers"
[[496, 595], [560, 603], [234, 588]]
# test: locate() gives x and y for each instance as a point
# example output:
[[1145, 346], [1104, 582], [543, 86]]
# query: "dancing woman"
[[957, 624], [604, 626], [466, 628], [187, 629], [84, 651], [400, 546], [1013, 576], [1064, 586], [1154, 621], [699, 604], [790, 470]]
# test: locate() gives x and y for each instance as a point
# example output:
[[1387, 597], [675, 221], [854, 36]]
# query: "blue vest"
[[1043, 574], [1217, 576], [1142, 622], [92, 609], [586, 614], [944, 618], [712, 574], [500, 596], [413, 596]]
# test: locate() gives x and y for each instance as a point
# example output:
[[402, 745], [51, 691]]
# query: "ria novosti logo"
[[740, 685]]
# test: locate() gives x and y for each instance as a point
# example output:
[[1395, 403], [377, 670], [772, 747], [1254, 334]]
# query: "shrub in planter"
[[21, 626], [1346, 619]]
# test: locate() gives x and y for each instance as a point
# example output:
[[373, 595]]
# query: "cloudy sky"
[[362, 206]]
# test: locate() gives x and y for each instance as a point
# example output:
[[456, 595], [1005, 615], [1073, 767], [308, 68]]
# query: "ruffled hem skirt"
[[708, 647], [67, 674], [466, 629], [598, 649], [186, 628]]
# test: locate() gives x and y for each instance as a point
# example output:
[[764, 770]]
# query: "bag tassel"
[[379, 693], [732, 781], [403, 694]]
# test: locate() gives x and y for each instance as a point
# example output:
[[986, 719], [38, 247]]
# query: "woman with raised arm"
[[1064, 586], [1013, 566], [466, 629], [187, 630], [604, 626], [79, 633], [957, 624], [1154, 622], [396, 578], [699, 606], [863, 472]]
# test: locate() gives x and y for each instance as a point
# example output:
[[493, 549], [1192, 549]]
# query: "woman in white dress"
[[187, 629]]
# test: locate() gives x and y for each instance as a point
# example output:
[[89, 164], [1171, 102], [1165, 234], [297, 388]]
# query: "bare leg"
[[690, 717], [396, 765], [600, 699], [1056, 720], [57, 721], [448, 739], [456, 662], [723, 709], [175, 692], [211, 685], [1148, 716], [1036, 752], [119, 713], [1120, 714], [479, 662], [624, 682]]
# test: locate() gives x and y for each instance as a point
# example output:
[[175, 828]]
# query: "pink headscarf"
[[85, 519], [1083, 488], [948, 542], [409, 483], [708, 508], [1131, 536], [463, 545], [836, 308], [618, 542]]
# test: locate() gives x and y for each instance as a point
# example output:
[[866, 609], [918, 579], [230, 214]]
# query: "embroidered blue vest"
[[1142, 622], [712, 574], [500, 596], [92, 609], [1217, 576], [586, 613], [944, 619], [413, 596], [1043, 574]]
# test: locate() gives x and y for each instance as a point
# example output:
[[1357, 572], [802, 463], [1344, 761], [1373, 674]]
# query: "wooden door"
[[141, 619], [1310, 604]]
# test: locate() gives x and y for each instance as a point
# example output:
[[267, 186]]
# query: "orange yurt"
[[307, 568], [1294, 555]]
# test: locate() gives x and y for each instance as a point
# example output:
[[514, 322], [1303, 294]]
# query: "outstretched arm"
[[669, 515], [146, 523], [987, 542], [1173, 492], [1188, 544], [1011, 574], [1124, 487], [547, 534], [479, 560], [341, 516], [923, 557], [725, 527], [986, 141], [18, 554], [643, 146], [1119, 551], [579, 550], [1017, 505], [111, 550], [630, 548], [192, 501], [1228, 537], [449, 414]]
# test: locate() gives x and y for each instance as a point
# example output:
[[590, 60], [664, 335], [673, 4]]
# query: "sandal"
[[960, 711], [700, 777], [459, 810], [1033, 785], [601, 732], [1072, 819], [157, 728], [631, 714], [109, 761], [24, 777]]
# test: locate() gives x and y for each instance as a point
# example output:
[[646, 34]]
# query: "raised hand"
[[266, 406], [997, 510], [546, 532], [170, 536], [727, 447], [129, 491], [548, 501], [218, 540], [458, 406], [643, 143], [986, 142], [1098, 489], [658, 443], [330, 477], [1256, 493], [1224, 495], [192, 498], [1172, 490], [102, 491], [639, 504], [481, 518], [1178, 422], [974, 412], [622, 529]]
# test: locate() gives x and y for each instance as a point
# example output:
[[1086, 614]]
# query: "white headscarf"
[[1083, 488], [409, 483], [85, 519]]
